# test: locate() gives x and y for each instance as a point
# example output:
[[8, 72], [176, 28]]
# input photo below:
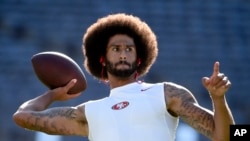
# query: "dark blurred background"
[[192, 35]]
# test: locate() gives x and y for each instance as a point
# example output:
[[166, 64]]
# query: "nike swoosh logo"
[[146, 89]]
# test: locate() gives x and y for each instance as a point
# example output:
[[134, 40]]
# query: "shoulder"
[[176, 96], [90, 102], [173, 89]]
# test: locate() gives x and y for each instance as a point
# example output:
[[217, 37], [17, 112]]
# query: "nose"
[[122, 58], [123, 55]]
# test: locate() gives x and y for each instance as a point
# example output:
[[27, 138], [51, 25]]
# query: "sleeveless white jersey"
[[134, 112]]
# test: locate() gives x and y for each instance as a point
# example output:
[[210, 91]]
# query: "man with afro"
[[118, 49]]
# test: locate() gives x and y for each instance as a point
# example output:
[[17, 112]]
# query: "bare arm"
[[213, 124], [180, 102], [34, 114], [217, 85]]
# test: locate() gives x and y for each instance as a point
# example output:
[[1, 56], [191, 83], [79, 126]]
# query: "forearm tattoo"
[[190, 111], [52, 121]]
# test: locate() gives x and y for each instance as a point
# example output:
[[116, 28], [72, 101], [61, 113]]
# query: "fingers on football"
[[71, 84]]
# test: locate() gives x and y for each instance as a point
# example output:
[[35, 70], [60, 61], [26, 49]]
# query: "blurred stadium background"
[[192, 35]]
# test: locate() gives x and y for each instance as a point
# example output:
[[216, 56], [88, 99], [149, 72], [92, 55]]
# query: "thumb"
[[205, 81], [74, 95]]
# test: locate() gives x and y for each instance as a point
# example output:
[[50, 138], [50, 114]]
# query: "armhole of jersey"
[[87, 118], [170, 119], [164, 101]]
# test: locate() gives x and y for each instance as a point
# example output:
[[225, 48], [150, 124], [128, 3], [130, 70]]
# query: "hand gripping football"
[[56, 69]]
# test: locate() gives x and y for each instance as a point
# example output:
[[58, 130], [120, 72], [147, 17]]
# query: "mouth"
[[122, 64]]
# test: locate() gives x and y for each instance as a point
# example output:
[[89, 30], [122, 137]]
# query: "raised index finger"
[[216, 68]]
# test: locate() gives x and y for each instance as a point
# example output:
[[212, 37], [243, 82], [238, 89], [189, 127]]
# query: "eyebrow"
[[116, 44]]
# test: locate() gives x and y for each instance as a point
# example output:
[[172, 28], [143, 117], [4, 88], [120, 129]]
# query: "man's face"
[[121, 56]]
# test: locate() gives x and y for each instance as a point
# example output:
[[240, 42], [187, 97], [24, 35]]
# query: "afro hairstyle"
[[96, 38]]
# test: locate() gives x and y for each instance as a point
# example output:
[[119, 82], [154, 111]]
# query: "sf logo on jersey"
[[120, 105]]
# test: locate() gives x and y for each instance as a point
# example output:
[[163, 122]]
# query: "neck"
[[117, 82]]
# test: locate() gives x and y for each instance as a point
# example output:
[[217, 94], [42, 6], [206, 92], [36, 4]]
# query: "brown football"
[[55, 69]]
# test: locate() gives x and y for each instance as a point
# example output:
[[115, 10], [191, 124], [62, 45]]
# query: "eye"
[[115, 48], [129, 48]]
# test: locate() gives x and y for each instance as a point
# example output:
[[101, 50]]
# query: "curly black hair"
[[97, 36]]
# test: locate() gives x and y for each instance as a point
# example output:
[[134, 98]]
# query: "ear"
[[102, 60]]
